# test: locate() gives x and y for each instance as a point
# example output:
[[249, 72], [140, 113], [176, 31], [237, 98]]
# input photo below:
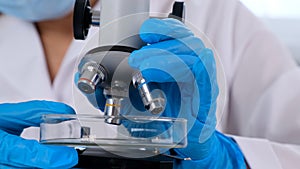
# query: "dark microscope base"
[[105, 160], [114, 163]]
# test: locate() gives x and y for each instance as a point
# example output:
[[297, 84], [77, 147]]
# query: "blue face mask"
[[36, 10]]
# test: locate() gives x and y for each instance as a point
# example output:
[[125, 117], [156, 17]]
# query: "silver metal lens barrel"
[[154, 105], [113, 110], [90, 76]]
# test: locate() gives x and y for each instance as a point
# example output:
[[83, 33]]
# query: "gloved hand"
[[20, 153], [177, 62]]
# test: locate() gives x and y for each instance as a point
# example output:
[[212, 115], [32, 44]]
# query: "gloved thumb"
[[18, 152], [15, 117]]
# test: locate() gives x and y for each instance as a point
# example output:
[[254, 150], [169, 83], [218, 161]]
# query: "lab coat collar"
[[21, 48]]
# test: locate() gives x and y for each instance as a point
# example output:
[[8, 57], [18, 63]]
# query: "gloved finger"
[[177, 71], [184, 46], [206, 75], [76, 77], [208, 93], [157, 30], [193, 141], [163, 66], [18, 152], [182, 70], [15, 117], [97, 98]]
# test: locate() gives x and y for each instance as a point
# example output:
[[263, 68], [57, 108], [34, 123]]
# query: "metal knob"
[[154, 105], [83, 18], [90, 76]]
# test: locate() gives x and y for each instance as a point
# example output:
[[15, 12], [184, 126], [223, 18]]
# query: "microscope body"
[[107, 65]]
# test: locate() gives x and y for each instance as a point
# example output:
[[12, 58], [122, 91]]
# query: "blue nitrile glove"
[[17, 152], [36, 10], [177, 62]]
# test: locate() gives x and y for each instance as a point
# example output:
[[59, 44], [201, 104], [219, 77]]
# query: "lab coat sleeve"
[[264, 100], [275, 117], [262, 153], [265, 92]]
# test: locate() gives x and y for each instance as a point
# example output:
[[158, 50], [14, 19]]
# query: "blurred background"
[[283, 18]]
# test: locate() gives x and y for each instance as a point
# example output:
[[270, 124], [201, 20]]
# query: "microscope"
[[106, 66]]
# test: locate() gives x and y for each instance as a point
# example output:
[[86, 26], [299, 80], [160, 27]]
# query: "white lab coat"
[[262, 81]]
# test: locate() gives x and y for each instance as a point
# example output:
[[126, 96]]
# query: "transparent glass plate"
[[136, 136]]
